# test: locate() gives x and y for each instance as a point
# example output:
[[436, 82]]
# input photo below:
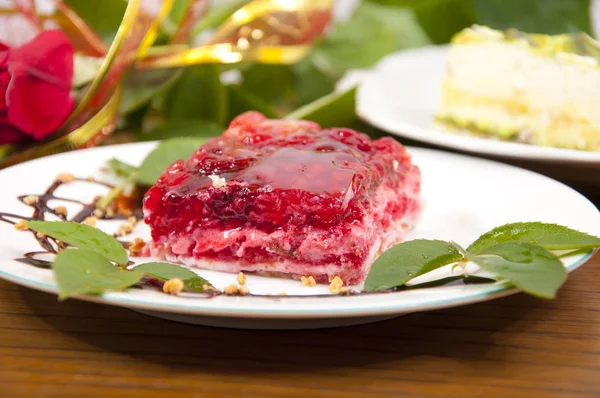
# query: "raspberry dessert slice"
[[285, 198]]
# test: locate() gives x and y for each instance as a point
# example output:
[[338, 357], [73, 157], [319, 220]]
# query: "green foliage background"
[[194, 101]]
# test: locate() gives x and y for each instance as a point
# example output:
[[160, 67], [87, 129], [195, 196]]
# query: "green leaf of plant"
[[407, 260], [373, 31], [164, 155], [82, 271], [199, 94], [549, 236], [241, 101], [334, 110], [531, 268], [310, 82], [535, 16], [165, 271], [175, 128], [440, 19], [141, 86], [121, 168], [84, 237], [103, 16], [268, 82]]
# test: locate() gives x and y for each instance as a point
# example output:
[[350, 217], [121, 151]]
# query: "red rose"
[[35, 87]]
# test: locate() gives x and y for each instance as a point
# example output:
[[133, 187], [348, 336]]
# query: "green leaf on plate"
[[175, 128], [199, 94], [374, 31], [334, 110], [121, 168], [82, 271], [407, 260], [531, 268], [535, 16], [165, 271], [549, 236], [164, 155], [84, 237], [103, 16]]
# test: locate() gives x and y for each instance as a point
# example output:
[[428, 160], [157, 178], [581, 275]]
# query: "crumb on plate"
[[231, 290], [62, 210], [241, 278], [308, 281], [30, 199], [65, 177], [22, 226], [91, 221], [137, 246], [335, 287], [173, 286]]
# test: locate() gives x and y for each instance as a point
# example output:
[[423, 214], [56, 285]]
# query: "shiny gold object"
[[264, 31]]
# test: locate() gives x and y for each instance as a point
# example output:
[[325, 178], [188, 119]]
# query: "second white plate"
[[401, 95]]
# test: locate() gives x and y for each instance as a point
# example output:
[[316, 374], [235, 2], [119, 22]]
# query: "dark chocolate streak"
[[50, 245]]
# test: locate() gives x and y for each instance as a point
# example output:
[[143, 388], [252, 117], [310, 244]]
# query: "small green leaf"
[[549, 236], [165, 271], [183, 128], [408, 260], [333, 110], [531, 268], [84, 237], [82, 271], [121, 168], [164, 155], [200, 95]]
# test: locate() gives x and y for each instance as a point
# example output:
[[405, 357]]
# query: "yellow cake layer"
[[539, 89]]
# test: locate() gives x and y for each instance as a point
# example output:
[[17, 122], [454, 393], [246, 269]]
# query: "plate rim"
[[465, 143], [485, 293]]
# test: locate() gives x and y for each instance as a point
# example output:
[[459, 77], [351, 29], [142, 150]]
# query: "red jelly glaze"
[[288, 175]]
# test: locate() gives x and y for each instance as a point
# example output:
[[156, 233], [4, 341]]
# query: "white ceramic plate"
[[464, 198], [401, 95]]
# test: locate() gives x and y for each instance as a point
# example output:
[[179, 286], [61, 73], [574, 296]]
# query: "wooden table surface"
[[517, 346]]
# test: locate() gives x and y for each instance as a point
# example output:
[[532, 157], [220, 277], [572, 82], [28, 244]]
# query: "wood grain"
[[518, 346]]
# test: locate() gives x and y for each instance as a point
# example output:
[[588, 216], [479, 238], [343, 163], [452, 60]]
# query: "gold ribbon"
[[236, 40]]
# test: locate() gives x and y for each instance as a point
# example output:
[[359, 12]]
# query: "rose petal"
[[9, 134], [39, 94], [4, 80]]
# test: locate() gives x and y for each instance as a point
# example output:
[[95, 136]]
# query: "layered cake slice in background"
[[538, 89]]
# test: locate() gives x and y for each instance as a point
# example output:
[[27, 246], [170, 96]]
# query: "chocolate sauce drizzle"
[[41, 208], [51, 246]]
